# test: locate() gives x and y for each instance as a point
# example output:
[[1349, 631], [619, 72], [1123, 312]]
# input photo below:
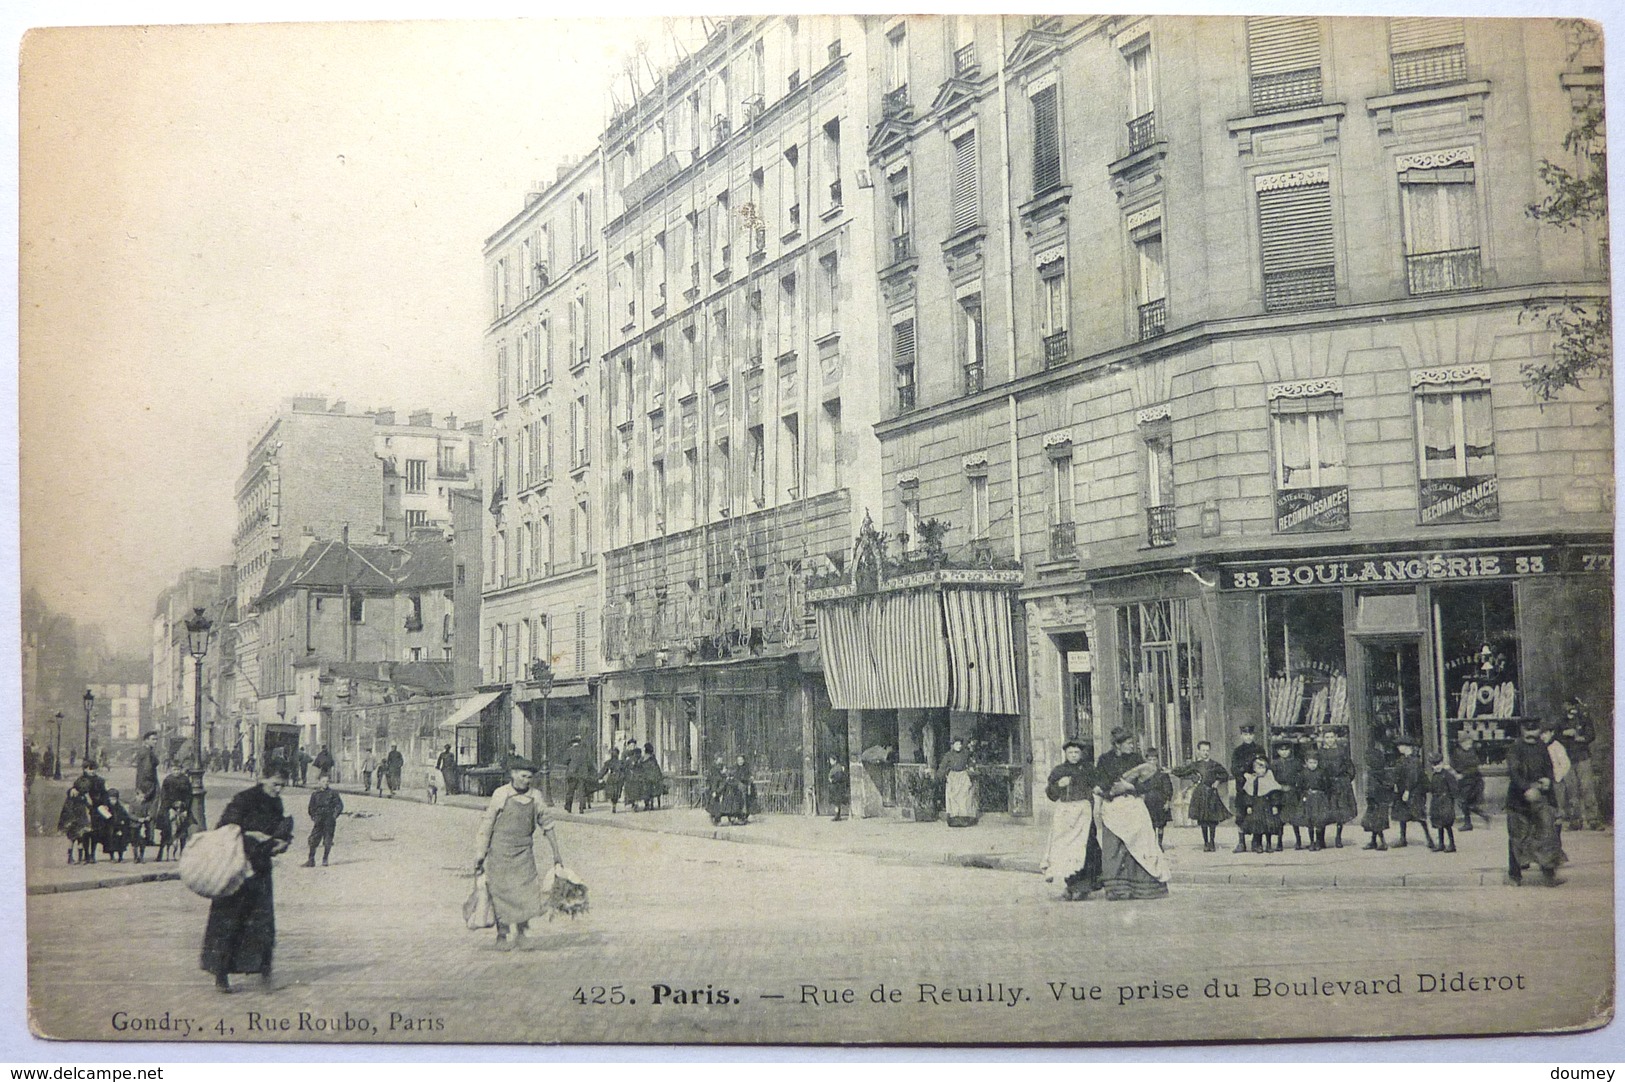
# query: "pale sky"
[[215, 218]]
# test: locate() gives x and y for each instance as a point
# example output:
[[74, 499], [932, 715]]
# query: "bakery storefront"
[[1422, 643]]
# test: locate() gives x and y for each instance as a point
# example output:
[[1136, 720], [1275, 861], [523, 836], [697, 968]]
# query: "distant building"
[[172, 691]]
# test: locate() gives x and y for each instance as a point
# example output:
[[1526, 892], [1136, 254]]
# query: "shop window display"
[[1306, 680], [1476, 630]]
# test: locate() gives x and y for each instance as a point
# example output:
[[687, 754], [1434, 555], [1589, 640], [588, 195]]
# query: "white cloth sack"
[[214, 864], [1126, 817]]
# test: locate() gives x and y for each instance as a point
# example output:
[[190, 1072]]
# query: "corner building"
[[1215, 328], [740, 391]]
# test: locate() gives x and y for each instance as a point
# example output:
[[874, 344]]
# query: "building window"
[[721, 487], [911, 518], [830, 460], [584, 532], [1425, 52], [358, 609], [502, 376], [628, 495], [964, 192], [1311, 473], [1063, 537], [660, 495], [790, 198], [977, 483], [417, 475], [789, 315], [902, 217], [1295, 240], [829, 302], [1142, 115], [789, 457], [1160, 676], [1440, 212], [972, 358], [1053, 316], [1283, 62], [580, 424], [416, 519], [1456, 445], [902, 359], [1046, 140], [1151, 283], [1305, 663], [896, 70], [1158, 483], [832, 161], [1476, 627], [758, 465]]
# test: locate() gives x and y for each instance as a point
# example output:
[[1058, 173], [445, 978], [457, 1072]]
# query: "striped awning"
[[980, 651], [920, 649]]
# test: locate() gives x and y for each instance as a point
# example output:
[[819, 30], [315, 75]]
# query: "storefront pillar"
[[810, 766]]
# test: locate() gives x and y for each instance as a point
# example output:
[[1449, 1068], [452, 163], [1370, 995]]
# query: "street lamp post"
[[197, 643], [90, 702], [541, 676], [56, 753]]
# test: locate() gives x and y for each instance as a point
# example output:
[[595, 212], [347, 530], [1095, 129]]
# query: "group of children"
[[1312, 792]]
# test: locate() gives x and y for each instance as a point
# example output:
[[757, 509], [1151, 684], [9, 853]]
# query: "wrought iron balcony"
[[1423, 68], [1056, 351], [1142, 132], [975, 378], [905, 398], [1063, 541], [1286, 90], [965, 62], [901, 248], [1159, 526], [1153, 318], [1300, 288], [896, 101], [1443, 272]]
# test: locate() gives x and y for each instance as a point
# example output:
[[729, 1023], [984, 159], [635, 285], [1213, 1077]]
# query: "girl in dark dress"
[[613, 777], [1442, 797], [1158, 790], [241, 933], [1263, 820], [1379, 793], [1339, 767], [651, 781], [1206, 804], [1314, 783], [1410, 792], [1287, 769]]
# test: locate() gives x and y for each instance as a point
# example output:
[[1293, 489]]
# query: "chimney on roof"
[[451, 422], [422, 419], [384, 417], [339, 406], [309, 403]]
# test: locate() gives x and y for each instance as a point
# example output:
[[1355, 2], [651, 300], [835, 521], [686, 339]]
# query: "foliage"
[[1576, 198], [923, 794]]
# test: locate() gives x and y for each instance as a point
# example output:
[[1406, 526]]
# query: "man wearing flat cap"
[[505, 850], [1532, 808]]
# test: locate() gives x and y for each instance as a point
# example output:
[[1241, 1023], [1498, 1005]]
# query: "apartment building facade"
[[1217, 330], [540, 608]]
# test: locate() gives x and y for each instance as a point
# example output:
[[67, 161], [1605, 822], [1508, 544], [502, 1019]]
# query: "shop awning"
[[469, 712], [920, 649]]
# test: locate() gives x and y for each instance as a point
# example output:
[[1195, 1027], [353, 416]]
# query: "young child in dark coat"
[[1410, 792], [1158, 793], [1263, 820], [325, 808], [1206, 803], [1443, 793], [1379, 793], [1288, 770]]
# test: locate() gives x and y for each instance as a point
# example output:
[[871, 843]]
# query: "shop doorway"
[[1077, 688], [1391, 694]]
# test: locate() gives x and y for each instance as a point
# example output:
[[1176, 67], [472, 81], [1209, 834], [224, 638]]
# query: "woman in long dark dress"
[[632, 773], [959, 791], [737, 795], [1132, 864], [241, 933], [651, 780], [613, 778], [1339, 767]]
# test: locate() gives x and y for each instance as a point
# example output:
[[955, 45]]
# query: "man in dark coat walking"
[[1532, 809], [325, 808], [324, 762], [580, 775], [394, 764]]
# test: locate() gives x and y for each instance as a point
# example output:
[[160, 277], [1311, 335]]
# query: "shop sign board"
[[1459, 499], [1312, 510], [1394, 569]]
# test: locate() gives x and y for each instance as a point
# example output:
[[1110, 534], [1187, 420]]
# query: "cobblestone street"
[[372, 948]]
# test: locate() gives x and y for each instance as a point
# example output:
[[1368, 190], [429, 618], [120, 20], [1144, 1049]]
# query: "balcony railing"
[[1142, 132], [905, 398], [901, 248], [1063, 541], [1444, 272], [965, 62], [1423, 68], [834, 193], [1055, 349], [1159, 526], [975, 378], [1153, 318], [1300, 288], [1286, 90], [896, 101]]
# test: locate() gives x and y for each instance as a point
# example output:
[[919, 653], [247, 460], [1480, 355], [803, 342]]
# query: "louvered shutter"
[[902, 343], [966, 196], [1046, 141], [1409, 35], [1283, 61], [1295, 241]]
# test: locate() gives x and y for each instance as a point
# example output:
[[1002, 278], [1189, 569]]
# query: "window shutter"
[[1408, 35], [902, 343], [1282, 43], [1295, 242], [966, 198], [1046, 141]]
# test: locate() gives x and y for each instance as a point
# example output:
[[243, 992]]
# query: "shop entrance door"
[[1391, 692]]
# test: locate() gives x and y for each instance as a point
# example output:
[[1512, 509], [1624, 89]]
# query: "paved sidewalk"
[[998, 842]]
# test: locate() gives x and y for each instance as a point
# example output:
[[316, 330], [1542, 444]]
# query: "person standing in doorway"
[[959, 791], [580, 775], [325, 808]]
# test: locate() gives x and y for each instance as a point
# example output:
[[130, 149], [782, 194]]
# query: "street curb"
[[98, 884]]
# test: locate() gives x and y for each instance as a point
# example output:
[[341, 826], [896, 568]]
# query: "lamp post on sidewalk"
[[541, 677], [197, 643], [56, 752], [90, 702]]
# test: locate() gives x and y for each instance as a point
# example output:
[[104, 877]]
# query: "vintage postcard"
[[812, 529]]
